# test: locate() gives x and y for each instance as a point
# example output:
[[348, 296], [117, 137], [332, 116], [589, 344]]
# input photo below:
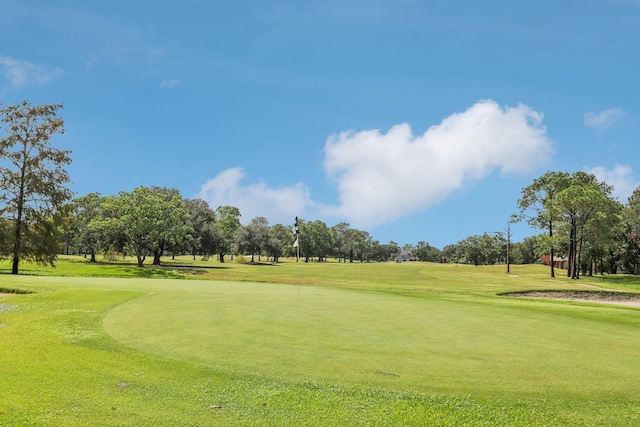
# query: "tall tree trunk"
[[17, 243], [15, 263], [579, 243], [553, 273], [570, 255], [573, 252], [140, 254], [157, 253]]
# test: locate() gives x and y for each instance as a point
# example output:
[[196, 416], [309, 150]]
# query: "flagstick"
[[296, 231], [298, 261]]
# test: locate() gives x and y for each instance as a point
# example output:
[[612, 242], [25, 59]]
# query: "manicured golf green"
[[363, 344]]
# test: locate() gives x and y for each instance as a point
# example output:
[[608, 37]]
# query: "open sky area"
[[413, 120]]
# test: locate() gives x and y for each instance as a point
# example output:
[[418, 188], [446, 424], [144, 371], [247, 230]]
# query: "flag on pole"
[[296, 231]]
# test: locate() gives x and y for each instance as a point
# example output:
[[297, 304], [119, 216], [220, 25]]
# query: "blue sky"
[[413, 120]]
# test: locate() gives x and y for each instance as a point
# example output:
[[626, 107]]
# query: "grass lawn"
[[354, 344]]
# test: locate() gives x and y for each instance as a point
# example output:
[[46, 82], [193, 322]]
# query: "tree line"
[[581, 222], [155, 221]]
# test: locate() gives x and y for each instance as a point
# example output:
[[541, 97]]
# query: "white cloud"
[[170, 84], [620, 177], [382, 177], [604, 119], [278, 205], [24, 73]]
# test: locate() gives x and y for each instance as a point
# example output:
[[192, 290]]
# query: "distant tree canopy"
[[152, 221]]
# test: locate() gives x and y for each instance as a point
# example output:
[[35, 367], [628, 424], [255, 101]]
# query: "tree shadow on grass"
[[14, 291], [260, 263], [197, 267], [162, 272]]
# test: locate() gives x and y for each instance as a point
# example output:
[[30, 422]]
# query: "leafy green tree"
[[536, 204], [387, 251], [339, 232], [423, 251], [171, 230], [356, 244], [617, 247], [599, 237], [32, 182], [112, 238], [260, 229], [66, 232], [147, 219], [585, 207], [631, 233], [87, 208], [204, 237], [449, 254], [127, 215], [279, 241], [253, 237], [316, 239], [227, 225], [524, 252], [470, 250], [339, 235], [364, 246], [482, 250]]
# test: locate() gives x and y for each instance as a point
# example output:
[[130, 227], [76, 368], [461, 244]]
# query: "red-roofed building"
[[558, 262]]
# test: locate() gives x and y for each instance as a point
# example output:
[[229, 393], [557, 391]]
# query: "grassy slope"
[[376, 344]]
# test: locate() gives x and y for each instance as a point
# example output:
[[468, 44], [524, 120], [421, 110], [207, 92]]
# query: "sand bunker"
[[608, 297]]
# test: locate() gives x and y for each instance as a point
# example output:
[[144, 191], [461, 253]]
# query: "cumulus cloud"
[[24, 73], [604, 119], [279, 205], [382, 177], [620, 177]]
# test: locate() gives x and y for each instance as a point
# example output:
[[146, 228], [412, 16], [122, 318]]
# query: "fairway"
[[378, 344]]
